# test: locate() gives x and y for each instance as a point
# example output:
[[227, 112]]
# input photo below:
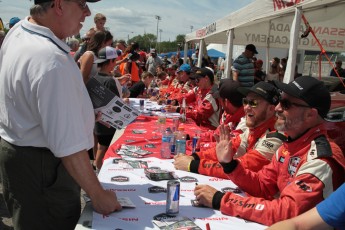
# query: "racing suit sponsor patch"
[[293, 164]]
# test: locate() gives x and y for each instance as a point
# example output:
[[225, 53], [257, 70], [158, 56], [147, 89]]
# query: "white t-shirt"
[[272, 77], [43, 100]]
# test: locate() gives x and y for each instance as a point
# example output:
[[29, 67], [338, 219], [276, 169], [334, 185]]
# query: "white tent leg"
[[290, 67]]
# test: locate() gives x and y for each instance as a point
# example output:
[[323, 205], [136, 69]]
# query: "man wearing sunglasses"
[[180, 86], [205, 110], [305, 170], [254, 147], [47, 121]]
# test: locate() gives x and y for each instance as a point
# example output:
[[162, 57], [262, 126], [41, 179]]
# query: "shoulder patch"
[[277, 134], [323, 147], [320, 147]]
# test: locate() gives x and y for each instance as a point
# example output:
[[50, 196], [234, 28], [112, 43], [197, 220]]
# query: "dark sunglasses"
[[286, 104], [198, 79], [252, 103]]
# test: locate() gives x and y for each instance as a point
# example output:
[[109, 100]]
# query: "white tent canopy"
[[268, 23]]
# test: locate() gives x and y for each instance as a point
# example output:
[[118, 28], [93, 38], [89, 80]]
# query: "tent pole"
[[185, 53], [290, 67], [229, 52], [267, 66], [201, 52]]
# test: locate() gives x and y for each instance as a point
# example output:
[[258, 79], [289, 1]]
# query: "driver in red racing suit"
[[304, 171]]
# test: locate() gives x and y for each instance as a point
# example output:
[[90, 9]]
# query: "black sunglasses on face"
[[252, 103], [286, 104], [198, 79]]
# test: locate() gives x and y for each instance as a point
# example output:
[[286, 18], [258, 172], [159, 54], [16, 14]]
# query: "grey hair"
[[73, 42], [40, 9]]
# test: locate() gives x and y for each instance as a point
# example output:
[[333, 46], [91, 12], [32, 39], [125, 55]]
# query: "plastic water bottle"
[[183, 111], [167, 138], [162, 118], [161, 121], [180, 141]]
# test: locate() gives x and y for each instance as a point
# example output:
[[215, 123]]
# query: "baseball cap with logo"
[[185, 68], [106, 53], [42, 1], [153, 51], [310, 90], [264, 89]]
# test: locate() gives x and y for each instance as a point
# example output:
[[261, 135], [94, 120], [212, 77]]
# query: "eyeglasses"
[[286, 104], [197, 80], [81, 3], [252, 103]]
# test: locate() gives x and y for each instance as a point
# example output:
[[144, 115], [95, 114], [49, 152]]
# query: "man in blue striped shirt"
[[243, 67]]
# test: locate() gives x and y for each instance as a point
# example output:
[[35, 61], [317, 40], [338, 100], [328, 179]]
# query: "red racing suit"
[[254, 148], [302, 173], [230, 120], [205, 111], [176, 91]]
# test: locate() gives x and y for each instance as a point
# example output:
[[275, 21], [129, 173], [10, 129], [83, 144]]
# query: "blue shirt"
[[332, 210], [245, 68]]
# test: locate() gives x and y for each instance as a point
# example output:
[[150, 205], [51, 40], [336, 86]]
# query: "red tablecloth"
[[150, 136]]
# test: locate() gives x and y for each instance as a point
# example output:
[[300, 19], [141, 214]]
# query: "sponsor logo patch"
[[267, 144], [293, 164], [281, 159], [304, 186]]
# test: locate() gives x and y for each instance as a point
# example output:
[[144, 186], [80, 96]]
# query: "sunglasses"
[[198, 79], [81, 3], [286, 104], [252, 103]]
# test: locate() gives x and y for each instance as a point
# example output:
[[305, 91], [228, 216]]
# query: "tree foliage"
[[148, 41]]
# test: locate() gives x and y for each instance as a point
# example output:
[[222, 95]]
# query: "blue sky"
[[133, 17]]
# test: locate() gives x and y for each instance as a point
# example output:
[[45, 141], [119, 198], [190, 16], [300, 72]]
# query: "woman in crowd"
[[87, 66]]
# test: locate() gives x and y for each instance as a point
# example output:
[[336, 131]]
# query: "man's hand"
[[124, 79], [79, 167], [204, 194], [105, 202], [99, 119], [182, 162], [224, 145]]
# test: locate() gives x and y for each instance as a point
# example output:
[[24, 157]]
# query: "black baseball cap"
[[252, 48], [42, 1], [310, 90], [264, 89], [203, 72], [229, 90]]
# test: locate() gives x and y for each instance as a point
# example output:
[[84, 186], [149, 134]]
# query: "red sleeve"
[[292, 202], [297, 195], [211, 168], [201, 112], [209, 154], [253, 160]]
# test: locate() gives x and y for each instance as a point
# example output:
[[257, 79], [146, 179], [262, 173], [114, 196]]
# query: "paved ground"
[[6, 221]]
